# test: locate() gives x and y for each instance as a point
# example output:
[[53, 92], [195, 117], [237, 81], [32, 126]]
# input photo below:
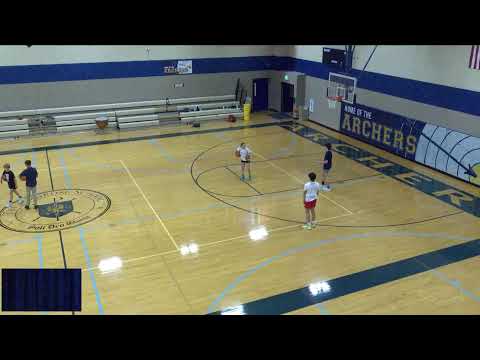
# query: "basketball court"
[[159, 221], [163, 225]]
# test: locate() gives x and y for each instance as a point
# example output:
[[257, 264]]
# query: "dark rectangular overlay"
[[41, 290]]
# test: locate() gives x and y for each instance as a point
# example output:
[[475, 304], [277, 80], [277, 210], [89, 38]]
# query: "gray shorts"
[[31, 194]]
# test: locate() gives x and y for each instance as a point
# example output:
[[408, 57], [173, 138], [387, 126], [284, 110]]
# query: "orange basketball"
[[102, 124]]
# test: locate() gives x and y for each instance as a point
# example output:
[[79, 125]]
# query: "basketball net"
[[332, 101]]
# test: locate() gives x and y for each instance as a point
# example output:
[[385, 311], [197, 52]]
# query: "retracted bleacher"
[[123, 115], [75, 122], [13, 128]]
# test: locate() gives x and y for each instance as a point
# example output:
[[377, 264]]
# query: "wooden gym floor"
[[174, 189]]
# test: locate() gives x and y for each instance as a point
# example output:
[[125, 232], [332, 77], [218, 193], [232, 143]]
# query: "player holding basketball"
[[310, 196], [245, 155], [9, 177], [327, 165]]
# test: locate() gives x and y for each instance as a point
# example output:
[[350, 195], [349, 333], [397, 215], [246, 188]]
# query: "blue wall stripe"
[[432, 94], [125, 69], [352, 283], [420, 91], [449, 97]]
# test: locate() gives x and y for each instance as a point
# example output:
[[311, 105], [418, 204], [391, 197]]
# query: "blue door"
[[260, 95]]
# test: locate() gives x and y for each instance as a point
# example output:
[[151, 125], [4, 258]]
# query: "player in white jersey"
[[310, 196], [245, 155]]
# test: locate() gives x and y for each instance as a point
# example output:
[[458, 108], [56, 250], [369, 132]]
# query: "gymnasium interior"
[[143, 209]]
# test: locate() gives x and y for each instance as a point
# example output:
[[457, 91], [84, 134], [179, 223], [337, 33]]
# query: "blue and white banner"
[[440, 148], [184, 67]]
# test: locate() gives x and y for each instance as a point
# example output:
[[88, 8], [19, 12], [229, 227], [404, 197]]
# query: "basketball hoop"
[[340, 89], [332, 101]]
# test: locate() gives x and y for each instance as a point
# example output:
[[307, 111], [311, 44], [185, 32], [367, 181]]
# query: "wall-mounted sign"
[[178, 85], [170, 70], [310, 105], [184, 67]]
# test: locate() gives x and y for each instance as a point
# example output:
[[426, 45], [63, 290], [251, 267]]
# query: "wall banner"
[[443, 149]]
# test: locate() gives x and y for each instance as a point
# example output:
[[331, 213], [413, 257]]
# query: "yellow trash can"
[[246, 112]]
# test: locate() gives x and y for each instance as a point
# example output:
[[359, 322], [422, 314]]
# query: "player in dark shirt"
[[29, 175], [327, 165], [9, 177]]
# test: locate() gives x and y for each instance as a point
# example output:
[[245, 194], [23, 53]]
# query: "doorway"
[[288, 99]]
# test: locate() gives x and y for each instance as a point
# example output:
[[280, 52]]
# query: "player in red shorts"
[[310, 196]]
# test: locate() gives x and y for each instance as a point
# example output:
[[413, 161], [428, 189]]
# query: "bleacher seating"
[[13, 128], [123, 115], [134, 120], [202, 115], [213, 105], [81, 124]]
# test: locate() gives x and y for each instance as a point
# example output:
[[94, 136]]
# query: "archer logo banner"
[[443, 149], [388, 131]]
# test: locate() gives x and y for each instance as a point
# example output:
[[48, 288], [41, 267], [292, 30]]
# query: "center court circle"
[[214, 195], [57, 210]]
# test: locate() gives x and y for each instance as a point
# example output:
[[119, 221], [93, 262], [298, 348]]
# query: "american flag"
[[475, 58]]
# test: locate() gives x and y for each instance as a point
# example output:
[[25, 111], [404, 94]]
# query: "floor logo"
[[57, 210]]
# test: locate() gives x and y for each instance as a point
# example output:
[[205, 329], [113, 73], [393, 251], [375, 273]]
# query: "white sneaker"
[[21, 201], [326, 188], [307, 227], [9, 205]]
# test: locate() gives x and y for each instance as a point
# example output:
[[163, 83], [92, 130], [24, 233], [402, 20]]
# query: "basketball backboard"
[[341, 86]]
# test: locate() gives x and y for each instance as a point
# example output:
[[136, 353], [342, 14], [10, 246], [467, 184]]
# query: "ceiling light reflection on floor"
[[189, 249], [258, 233], [319, 288], [110, 264], [236, 310]]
